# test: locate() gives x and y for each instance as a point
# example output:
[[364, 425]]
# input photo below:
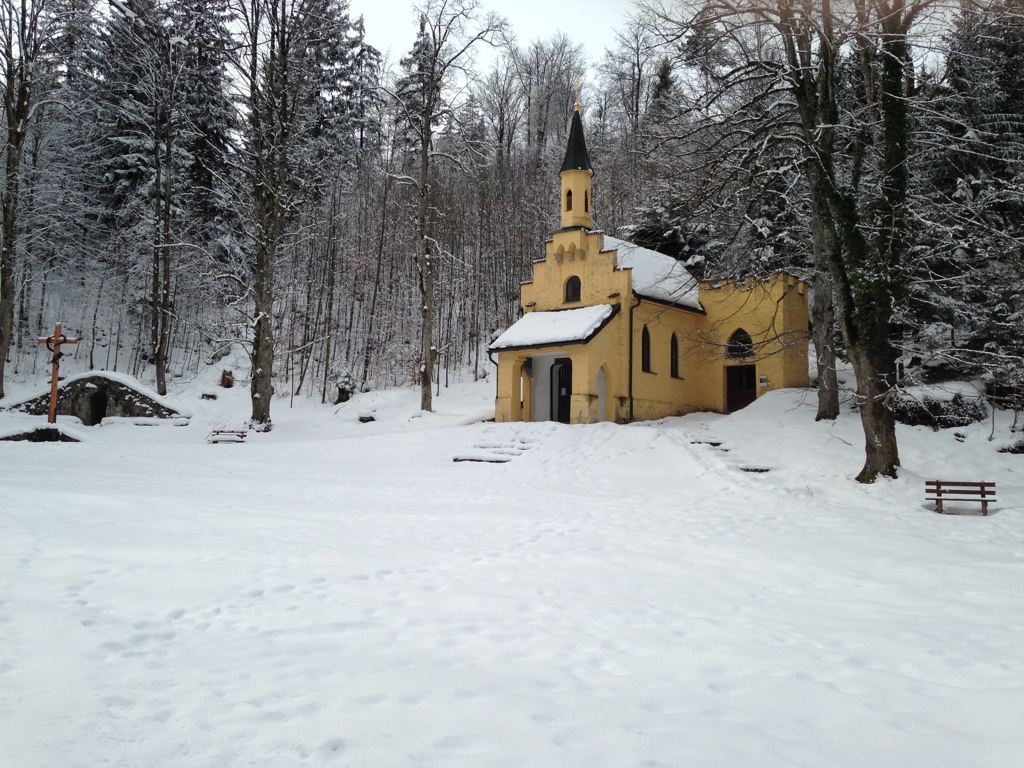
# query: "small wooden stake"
[[53, 343]]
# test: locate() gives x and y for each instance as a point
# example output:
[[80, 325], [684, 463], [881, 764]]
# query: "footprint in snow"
[[333, 747]]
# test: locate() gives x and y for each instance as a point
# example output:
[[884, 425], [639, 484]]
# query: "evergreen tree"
[[208, 124], [966, 307]]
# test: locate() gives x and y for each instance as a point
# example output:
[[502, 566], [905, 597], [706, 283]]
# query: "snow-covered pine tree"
[[139, 119], [966, 308], [54, 235], [208, 127]]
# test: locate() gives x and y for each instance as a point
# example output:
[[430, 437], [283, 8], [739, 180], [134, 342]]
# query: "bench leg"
[[984, 508], [938, 506]]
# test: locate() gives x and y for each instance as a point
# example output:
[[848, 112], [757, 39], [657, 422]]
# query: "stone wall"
[[94, 397]]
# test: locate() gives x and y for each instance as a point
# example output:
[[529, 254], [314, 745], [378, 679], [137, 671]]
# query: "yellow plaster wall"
[[657, 393], [575, 253], [508, 402], [579, 182], [774, 313]]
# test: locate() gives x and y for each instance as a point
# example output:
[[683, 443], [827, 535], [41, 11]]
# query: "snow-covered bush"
[[938, 413], [346, 383]]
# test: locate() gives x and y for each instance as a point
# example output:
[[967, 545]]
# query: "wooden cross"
[[53, 344]]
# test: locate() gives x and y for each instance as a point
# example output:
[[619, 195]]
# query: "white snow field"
[[341, 593]]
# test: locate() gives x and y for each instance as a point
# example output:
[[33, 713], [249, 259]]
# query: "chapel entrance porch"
[[548, 377]]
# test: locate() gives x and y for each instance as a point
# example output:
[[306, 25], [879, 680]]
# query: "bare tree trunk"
[[376, 280], [425, 264], [161, 261], [823, 338], [823, 319], [332, 261], [877, 419], [93, 330], [24, 340], [262, 387], [164, 339], [21, 42]]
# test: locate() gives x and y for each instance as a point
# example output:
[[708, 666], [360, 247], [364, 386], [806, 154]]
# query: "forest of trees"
[[191, 177]]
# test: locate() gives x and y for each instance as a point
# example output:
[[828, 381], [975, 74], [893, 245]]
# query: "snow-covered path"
[[335, 593]]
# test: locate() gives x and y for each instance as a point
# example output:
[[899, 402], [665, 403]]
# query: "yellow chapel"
[[615, 332]]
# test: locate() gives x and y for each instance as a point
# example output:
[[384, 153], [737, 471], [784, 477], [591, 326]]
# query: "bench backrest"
[[959, 486]]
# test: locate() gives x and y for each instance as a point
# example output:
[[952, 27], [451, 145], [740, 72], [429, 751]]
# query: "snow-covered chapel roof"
[[655, 275], [563, 326]]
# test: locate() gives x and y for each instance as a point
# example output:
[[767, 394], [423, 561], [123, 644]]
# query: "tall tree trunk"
[[368, 348], [825, 249], [21, 40], [332, 263], [881, 455], [823, 320], [262, 356], [10, 209], [865, 302], [161, 248], [424, 261]]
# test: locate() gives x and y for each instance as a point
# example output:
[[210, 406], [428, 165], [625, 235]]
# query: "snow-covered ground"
[[337, 592]]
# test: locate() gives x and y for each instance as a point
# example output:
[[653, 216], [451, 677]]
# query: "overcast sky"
[[391, 24]]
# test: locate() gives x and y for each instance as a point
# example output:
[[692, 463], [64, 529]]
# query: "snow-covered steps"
[[717, 446], [500, 443]]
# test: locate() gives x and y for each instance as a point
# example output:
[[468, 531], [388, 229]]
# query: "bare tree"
[[439, 64], [277, 39], [549, 72], [25, 27], [794, 62]]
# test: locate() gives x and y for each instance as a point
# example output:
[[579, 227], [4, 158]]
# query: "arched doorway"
[[740, 386], [740, 380], [561, 389], [97, 407]]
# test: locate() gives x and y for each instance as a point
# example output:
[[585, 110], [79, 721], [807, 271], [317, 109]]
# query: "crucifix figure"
[[53, 343]]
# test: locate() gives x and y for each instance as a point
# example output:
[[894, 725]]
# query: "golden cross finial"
[[578, 82]]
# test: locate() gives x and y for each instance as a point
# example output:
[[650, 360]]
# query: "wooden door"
[[740, 386], [561, 389]]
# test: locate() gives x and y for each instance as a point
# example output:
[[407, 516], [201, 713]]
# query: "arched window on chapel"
[[568, 200], [573, 288], [674, 357], [645, 350], [740, 345]]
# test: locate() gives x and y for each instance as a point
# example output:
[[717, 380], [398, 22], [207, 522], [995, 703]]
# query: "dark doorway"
[[740, 386], [97, 407], [561, 389]]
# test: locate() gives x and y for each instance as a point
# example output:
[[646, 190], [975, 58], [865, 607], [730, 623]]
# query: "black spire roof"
[[576, 158]]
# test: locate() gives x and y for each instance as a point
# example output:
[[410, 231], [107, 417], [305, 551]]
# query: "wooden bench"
[[227, 436], [953, 490]]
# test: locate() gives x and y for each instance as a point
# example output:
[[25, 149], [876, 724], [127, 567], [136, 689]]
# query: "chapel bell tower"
[[576, 174]]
